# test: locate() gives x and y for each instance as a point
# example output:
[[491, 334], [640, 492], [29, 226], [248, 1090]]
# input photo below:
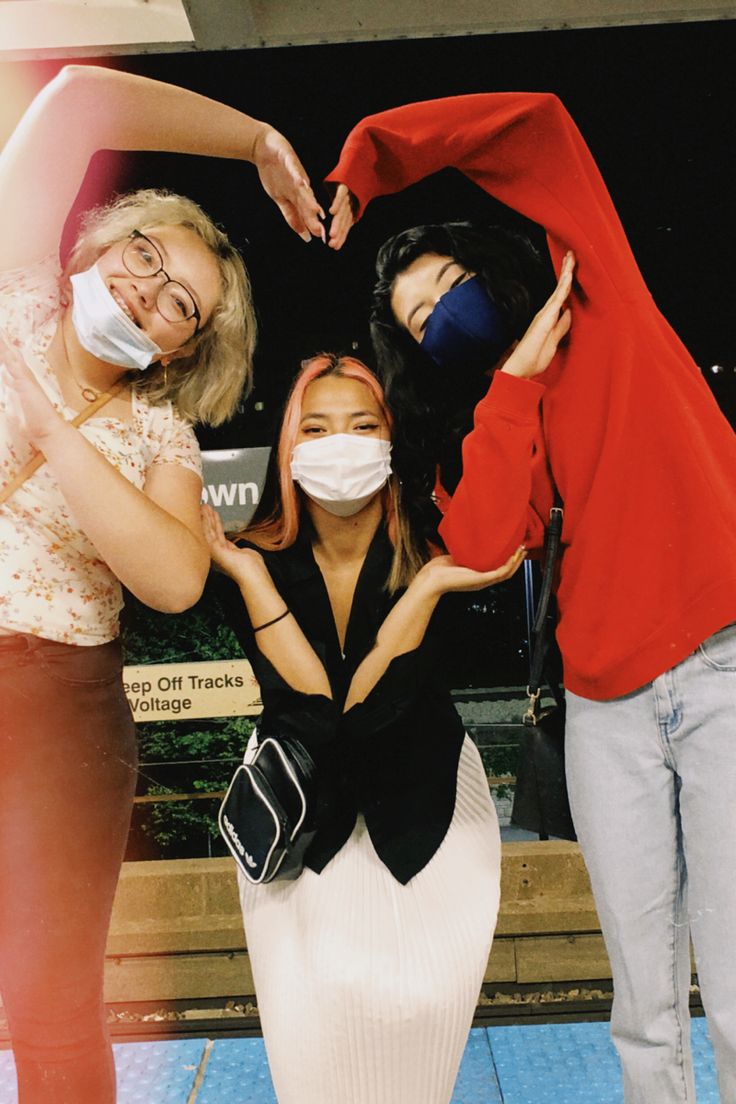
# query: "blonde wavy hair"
[[207, 385]]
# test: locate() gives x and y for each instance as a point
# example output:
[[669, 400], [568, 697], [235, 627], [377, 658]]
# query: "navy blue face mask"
[[466, 332]]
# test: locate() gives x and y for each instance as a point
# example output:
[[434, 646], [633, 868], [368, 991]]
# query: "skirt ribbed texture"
[[366, 988]]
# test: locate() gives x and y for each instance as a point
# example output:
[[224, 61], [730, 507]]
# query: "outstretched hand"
[[284, 179], [31, 411], [442, 574], [343, 216], [533, 354]]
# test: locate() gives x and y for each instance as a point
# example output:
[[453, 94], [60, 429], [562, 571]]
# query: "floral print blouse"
[[52, 582]]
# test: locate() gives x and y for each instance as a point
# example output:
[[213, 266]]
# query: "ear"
[[184, 351]]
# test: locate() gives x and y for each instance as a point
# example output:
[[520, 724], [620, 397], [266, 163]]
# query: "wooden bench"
[[177, 932]]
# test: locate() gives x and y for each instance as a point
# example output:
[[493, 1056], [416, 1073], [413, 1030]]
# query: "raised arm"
[[523, 148], [278, 636], [150, 539], [505, 493], [86, 108]]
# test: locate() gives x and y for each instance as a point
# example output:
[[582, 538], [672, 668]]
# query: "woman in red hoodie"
[[622, 423]]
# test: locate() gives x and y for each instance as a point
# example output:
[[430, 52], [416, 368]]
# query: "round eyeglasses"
[[173, 302]]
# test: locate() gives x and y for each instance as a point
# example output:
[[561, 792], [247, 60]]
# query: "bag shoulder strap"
[[38, 458], [545, 617]]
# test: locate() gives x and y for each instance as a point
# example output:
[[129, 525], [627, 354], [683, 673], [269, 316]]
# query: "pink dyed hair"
[[280, 529]]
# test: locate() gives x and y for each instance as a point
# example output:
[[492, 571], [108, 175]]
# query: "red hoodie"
[[643, 458]]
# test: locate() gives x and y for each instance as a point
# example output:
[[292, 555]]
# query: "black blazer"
[[394, 756]]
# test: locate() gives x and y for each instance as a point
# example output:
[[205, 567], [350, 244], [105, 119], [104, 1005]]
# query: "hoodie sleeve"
[[522, 148]]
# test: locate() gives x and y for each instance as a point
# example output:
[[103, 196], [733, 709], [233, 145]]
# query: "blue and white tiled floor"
[[535, 1064]]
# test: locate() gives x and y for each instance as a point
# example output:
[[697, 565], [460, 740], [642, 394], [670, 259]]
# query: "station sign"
[[188, 691], [233, 482]]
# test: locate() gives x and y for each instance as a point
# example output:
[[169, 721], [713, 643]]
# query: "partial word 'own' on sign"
[[233, 482]]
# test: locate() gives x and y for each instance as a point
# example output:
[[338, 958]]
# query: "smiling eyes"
[[181, 306], [361, 427], [420, 326], [145, 258], [174, 302], [145, 262]]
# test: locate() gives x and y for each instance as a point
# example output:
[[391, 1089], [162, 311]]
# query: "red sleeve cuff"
[[353, 171], [512, 398]]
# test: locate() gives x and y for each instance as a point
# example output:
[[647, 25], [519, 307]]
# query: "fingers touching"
[[284, 179], [342, 217]]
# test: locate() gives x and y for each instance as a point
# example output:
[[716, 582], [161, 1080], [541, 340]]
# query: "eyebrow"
[[353, 414], [165, 257], [421, 303]]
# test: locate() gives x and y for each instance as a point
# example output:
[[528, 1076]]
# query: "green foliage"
[[182, 756], [500, 759], [184, 828], [198, 634], [182, 741]]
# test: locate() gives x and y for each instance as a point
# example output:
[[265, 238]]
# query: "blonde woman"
[[368, 966], [153, 302]]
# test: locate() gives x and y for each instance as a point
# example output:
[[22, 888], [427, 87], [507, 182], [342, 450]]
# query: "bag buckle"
[[530, 717]]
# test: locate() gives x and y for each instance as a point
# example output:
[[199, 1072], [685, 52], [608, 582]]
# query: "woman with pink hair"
[[368, 966]]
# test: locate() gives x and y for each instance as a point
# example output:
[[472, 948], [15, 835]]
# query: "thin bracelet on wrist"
[[267, 624]]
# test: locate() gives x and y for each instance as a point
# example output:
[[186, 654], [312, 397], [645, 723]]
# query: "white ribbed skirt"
[[366, 988]]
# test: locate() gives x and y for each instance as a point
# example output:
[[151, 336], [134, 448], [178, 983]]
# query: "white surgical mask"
[[103, 327], [342, 472]]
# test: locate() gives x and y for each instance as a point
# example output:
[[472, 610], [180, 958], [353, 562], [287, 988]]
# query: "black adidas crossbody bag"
[[267, 817]]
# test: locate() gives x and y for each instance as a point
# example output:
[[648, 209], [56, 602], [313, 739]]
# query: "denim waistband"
[[23, 643], [14, 642]]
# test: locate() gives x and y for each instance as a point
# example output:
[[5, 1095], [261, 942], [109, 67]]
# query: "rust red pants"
[[67, 779]]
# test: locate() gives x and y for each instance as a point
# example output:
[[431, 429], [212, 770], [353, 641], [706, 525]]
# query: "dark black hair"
[[434, 413]]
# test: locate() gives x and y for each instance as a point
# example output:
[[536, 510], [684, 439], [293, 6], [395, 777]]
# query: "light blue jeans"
[[652, 781]]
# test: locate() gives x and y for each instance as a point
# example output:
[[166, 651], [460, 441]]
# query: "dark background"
[[656, 107], [654, 103]]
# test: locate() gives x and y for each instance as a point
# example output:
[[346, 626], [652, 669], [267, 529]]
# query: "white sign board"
[[185, 691]]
